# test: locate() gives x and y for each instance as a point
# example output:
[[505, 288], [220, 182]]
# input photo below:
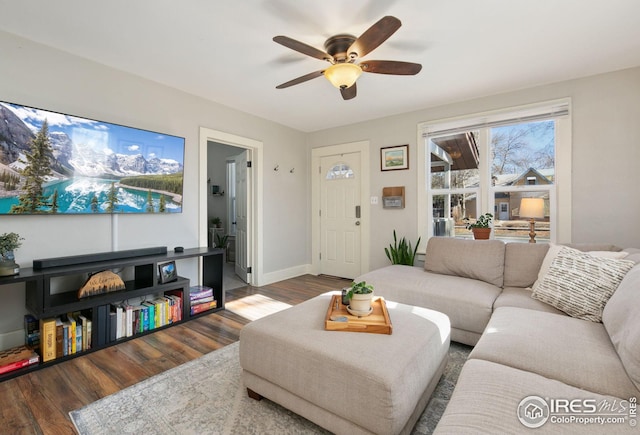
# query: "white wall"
[[606, 155], [36, 75]]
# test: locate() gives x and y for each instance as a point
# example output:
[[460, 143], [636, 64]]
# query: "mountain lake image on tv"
[[52, 163]]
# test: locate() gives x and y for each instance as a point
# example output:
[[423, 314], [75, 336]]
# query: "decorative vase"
[[481, 233], [8, 266], [361, 302]]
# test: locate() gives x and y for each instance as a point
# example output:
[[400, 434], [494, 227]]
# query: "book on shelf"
[[119, 320], [102, 327], [202, 301], [199, 292], [66, 346], [144, 317], [136, 315], [31, 331], [161, 312], [48, 339], [73, 334], [84, 322], [89, 333], [112, 326], [151, 308], [199, 308], [128, 320], [32, 359], [176, 296], [59, 337], [176, 307], [31, 325], [33, 340]]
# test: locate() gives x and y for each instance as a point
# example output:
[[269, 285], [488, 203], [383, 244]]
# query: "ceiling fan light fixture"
[[343, 75]]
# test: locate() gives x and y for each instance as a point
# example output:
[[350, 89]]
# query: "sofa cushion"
[[580, 284], [576, 352], [487, 397], [633, 254], [521, 298], [475, 259], [621, 318], [467, 302], [522, 261]]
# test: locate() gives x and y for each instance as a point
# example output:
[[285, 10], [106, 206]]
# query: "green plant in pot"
[[481, 228], [221, 241], [360, 295], [9, 242], [401, 253]]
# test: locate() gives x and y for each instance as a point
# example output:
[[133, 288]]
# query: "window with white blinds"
[[487, 162]]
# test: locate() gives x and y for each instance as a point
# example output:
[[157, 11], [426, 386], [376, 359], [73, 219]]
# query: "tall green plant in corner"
[[401, 253]]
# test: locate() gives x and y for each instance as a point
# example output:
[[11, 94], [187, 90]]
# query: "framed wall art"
[[394, 158]]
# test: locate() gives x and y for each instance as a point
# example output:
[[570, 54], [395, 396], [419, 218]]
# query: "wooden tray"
[[377, 322]]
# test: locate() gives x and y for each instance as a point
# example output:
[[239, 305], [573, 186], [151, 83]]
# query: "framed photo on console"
[[168, 271]]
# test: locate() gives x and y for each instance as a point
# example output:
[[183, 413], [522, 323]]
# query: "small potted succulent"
[[481, 227], [360, 295], [9, 242]]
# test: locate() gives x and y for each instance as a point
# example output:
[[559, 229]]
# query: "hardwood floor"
[[39, 402]]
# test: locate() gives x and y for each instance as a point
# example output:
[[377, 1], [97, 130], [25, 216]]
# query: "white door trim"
[[316, 153], [255, 259]]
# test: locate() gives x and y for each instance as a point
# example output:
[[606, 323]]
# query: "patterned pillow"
[[580, 284]]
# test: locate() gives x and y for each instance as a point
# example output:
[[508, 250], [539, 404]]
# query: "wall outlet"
[[374, 200]]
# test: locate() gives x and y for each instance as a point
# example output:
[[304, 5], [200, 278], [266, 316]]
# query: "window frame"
[[560, 214]]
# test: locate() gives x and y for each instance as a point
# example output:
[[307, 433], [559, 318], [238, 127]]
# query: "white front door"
[[242, 209], [340, 215]]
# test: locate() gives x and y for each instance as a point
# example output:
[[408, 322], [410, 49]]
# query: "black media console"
[[52, 285]]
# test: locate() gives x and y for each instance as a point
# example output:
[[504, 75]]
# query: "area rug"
[[206, 396]]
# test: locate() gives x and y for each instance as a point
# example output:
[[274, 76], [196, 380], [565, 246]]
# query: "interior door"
[[340, 215], [243, 175]]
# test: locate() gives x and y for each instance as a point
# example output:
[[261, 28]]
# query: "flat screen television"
[[53, 163]]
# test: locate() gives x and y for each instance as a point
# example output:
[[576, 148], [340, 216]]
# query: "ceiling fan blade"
[[300, 79], [390, 67], [349, 93], [374, 36], [303, 48]]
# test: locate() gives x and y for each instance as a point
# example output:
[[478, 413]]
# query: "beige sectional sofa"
[[530, 358]]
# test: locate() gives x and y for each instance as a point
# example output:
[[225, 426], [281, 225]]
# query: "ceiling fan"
[[342, 52]]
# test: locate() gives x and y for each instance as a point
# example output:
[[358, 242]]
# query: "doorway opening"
[[226, 200], [230, 203]]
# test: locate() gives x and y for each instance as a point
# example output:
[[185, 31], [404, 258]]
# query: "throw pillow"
[[554, 249], [580, 284]]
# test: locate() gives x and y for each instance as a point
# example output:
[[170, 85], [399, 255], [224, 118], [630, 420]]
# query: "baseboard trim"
[[281, 275]]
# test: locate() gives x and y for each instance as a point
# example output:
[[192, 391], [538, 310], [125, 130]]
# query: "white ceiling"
[[223, 50]]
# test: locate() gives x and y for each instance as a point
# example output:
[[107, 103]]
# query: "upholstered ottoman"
[[346, 382]]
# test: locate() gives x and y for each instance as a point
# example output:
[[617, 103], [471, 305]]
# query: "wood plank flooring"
[[39, 402]]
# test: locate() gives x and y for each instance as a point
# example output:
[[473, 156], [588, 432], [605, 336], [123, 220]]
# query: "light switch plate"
[[374, 200]]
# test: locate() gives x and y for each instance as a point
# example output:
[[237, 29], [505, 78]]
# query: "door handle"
[[357, 211]]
